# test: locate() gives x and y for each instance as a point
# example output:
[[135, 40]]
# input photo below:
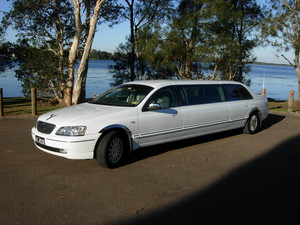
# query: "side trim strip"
[[195, 126], [179, 129], [238, 119], [190, 127]]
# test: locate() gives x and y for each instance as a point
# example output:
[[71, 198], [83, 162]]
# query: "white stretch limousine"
[[143, 113]]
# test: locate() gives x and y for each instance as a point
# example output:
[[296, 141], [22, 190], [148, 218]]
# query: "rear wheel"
[[253, 124], [111, 150]]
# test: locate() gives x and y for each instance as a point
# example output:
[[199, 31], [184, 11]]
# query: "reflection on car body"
[[143, 113]]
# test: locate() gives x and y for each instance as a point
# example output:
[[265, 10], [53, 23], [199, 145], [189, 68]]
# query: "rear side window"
[[200, 94], [236, 92]]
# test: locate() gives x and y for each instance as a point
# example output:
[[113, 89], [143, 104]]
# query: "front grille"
[[45, 128]]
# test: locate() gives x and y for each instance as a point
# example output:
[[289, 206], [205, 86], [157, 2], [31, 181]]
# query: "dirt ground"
[[227, 178]]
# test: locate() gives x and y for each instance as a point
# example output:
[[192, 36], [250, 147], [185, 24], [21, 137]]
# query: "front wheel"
[[253, 124], [110, 150]]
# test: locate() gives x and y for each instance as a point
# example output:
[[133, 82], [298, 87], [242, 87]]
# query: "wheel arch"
[[115, 127]]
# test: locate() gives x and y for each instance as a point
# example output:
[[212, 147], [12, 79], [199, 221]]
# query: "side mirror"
[[154, 106]]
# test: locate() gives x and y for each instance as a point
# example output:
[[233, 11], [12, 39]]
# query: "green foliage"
[[120, 69], [142, 14], [165, 41], [39, 21], [152, 58], [100, 55], [46, 30], [7, 56], [201, 36], [150, 62], [231, 36], [281, 27], [38, 68], [185, 39]]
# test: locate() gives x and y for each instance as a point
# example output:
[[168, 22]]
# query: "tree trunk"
[[297, 67], [132, 42], [82, 71], [214, 76], [79, 88], [188, 75], [298, 74], [73, 53], [59, 93]]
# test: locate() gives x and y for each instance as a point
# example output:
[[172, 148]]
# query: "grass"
[[282, 106], [22, 106]]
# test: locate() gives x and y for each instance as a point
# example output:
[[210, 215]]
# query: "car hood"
[[79, 114]]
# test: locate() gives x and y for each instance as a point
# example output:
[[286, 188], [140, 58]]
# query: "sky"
[[108, 39]]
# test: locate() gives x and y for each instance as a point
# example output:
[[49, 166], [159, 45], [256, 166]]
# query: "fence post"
[[1, 103], [263, 91], [33, 102], [291, 101]]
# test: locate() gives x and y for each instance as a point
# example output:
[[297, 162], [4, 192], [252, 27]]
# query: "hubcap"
[[253, 123], [115, 150]]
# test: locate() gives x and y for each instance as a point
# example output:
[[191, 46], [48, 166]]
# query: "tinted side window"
[[200, 94], [235, 92], [165, 97]]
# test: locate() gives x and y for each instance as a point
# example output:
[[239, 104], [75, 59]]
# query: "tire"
[[253, 124], [111, 150]]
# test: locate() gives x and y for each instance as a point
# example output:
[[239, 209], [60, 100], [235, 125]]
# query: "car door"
[[205, 109], [161, 118], [240, 102]]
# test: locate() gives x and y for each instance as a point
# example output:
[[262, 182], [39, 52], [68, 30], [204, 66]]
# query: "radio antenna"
[[264, 78]]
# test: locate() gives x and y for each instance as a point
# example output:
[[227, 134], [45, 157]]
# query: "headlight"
[[72, 131]]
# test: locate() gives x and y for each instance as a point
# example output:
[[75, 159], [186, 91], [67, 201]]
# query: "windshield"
[[125, 95]]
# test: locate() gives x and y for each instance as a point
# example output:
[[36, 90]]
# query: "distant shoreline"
[[271, 64], [256, 63]]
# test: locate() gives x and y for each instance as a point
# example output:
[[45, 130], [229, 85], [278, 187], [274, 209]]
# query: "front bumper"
[[80, 147]]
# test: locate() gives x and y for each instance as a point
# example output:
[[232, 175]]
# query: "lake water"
[[278, 80]]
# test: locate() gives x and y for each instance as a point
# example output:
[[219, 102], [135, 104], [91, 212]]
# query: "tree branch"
[[288, 60], [287, 5]]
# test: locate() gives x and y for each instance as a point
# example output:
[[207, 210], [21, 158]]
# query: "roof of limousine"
[[162, 83]]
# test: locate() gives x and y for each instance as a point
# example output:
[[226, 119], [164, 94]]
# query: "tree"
[[91, 23], [43, 26], [149, 63], [6, 52], [120, 70], [282, 26], [55, 27], [211, 35], [186, 36], [6, 55], [38, 67], [152, 63], [218, 33], [231, 37], [141, 14]]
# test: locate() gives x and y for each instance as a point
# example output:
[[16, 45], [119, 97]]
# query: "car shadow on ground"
[[263, 191], [151, 151]]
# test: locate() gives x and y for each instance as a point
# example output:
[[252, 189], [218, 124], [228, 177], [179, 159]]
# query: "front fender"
[[122, 129]]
